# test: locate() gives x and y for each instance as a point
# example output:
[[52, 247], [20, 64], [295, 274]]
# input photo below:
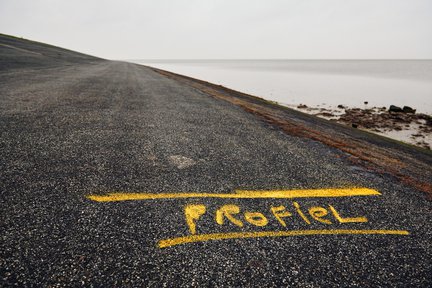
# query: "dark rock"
[[302, 106], [354, 125], [407, 109], [394, 108], [341, 106], [417, 135], [325, 114], [366, 102]]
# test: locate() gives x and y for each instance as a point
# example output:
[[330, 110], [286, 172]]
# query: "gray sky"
[[227, 29]]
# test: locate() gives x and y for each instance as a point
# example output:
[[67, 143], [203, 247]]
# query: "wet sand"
[[413, 128]]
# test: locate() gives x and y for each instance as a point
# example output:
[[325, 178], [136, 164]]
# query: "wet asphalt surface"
[[70, 131]]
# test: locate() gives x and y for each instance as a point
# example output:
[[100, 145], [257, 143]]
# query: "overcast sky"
[[227, 29]]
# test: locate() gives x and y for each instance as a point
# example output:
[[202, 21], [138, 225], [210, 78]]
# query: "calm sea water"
[[324, 83]]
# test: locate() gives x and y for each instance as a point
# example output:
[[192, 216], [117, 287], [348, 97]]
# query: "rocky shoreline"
[[402, 124]]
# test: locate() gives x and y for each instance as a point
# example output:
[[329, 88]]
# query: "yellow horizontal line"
[[236, 235], [239, 194]]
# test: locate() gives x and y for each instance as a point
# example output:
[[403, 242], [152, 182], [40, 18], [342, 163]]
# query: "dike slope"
[[18, 53]]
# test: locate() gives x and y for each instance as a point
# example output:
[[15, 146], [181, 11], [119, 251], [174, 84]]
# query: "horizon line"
[[278, 59]]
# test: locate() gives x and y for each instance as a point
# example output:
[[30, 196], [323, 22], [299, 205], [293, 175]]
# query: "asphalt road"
[[92, 128]]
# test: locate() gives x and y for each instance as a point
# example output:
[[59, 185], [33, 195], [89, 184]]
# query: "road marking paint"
[[347, 220], [280, 212], [240, 235], [227, 211], [239, 194], [231, 214], [192, 213]]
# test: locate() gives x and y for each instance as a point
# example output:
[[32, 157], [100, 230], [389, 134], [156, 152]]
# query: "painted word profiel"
[[234, 215]]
